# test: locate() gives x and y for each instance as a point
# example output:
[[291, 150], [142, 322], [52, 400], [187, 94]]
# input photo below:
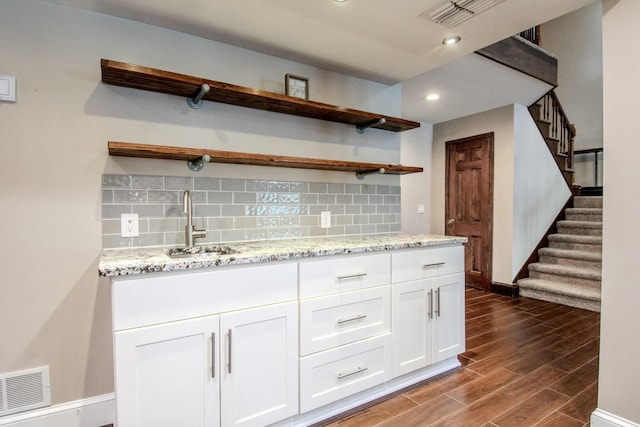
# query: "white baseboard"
[[92, 412], [600, 418]]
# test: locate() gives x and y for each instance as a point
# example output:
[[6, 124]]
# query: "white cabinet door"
[[259, 379], [166, 375], [411, 330], [448, 325]]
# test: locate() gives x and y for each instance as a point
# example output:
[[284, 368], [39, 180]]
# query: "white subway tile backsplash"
[[238, 209]]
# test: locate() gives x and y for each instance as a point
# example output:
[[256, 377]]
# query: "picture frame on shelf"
[[296, 86]]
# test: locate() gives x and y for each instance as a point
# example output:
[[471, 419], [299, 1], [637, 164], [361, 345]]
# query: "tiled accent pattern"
[[235, 210]]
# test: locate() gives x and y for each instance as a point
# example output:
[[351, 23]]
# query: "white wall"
[[500, 122], [540, 191], [576, 39], [53, 151], [619, 381], [416, 188]]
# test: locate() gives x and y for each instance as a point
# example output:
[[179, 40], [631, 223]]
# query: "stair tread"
[[561, 288], [559, 237], [571, 253], [596, 211], [579, 224], [566, 270]]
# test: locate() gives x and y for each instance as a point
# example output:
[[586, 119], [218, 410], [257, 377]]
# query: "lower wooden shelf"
[[129, 149]]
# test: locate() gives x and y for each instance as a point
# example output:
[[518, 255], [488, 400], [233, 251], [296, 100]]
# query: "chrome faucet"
[[190, 233]]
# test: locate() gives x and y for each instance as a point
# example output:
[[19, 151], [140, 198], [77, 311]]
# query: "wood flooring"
[[528, 363]]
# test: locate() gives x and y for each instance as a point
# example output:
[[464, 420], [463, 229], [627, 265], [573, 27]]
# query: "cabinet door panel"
[[448, 337], [164, 375], [411, 327], [259, 384]]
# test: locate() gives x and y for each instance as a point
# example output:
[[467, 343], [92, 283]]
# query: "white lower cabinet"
[[259, 379], [235, 369], [167, 375], [427, 308], [428, 322]]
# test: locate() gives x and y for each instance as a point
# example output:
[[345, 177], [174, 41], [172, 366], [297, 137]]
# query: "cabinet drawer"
[[429, 262], [344, 273], [338, 319], [338, 373]]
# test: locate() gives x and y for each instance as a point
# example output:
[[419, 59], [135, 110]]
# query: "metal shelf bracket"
[[361, 128]]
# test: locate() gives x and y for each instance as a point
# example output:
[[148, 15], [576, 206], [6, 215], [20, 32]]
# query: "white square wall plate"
[[7, 88]]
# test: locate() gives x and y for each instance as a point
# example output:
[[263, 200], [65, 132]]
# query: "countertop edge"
[[139, 261]]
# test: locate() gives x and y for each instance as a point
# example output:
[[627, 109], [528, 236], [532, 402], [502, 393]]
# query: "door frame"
[[488, 208]]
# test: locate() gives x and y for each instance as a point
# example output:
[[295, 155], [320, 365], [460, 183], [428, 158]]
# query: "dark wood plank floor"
[[528, 363]]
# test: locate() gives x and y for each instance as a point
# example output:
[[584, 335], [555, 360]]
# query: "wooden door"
[[469, 203]]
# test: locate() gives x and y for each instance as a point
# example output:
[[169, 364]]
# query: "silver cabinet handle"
[[438, 312], [229, 351], [435, 264], [213, 355], [351, 319], [351, 276], [430, 308], [348, 374]]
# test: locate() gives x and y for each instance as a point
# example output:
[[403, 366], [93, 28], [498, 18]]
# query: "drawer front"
[[335, 374], [344, 273], [338, 319], [425, 263]]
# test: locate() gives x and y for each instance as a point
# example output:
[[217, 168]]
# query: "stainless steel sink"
[[199, 251]]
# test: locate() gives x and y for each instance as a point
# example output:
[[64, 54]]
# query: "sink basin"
[[199, 251]]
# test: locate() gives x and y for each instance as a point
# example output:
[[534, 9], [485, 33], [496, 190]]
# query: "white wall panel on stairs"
[[539, 188]]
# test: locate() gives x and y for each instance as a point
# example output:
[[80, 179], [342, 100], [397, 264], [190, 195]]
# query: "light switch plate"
[[325, 219], [8, 88]]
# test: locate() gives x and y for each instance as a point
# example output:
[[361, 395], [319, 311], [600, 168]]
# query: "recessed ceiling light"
[[448, 41], [340, 1], [433, 97]]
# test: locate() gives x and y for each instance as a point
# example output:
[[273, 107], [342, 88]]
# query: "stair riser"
[[593, 265], [575, 246], [587, 202], [564, 279], [579, 231], [560, 299]]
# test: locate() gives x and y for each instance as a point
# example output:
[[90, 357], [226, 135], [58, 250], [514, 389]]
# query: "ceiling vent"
[[455, 12]]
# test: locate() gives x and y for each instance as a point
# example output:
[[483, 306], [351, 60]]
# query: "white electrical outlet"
[[325, 219], [129, 225]]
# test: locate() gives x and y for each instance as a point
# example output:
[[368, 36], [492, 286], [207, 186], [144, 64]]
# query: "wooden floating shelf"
[[145, 78], [129, 149]]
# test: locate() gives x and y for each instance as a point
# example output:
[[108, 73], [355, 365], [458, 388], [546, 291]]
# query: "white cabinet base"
[[369, 395]]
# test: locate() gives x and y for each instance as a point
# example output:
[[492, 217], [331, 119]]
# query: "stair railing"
[[532, 35], [561, 128]]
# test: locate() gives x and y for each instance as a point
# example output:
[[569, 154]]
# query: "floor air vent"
[[455, 12], [24, 390]]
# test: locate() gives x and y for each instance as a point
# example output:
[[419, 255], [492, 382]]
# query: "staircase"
[[569, 270]]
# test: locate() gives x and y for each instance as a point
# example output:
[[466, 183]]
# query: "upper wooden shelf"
[[139, 77], [193, 154]]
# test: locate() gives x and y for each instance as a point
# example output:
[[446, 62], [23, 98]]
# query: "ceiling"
[[386, 41]]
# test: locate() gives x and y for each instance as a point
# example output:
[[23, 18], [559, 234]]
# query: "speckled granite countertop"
[[129, 261]]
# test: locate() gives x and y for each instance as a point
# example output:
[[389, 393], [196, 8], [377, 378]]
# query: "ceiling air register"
[[454, 13]]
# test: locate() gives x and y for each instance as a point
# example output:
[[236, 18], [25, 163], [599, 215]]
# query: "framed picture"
[[296, 86]]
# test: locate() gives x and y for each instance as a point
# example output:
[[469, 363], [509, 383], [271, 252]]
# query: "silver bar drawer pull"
[[351, 276], [213, 355], [348, 374], [351, 319], [229, 351], [435, 264]]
